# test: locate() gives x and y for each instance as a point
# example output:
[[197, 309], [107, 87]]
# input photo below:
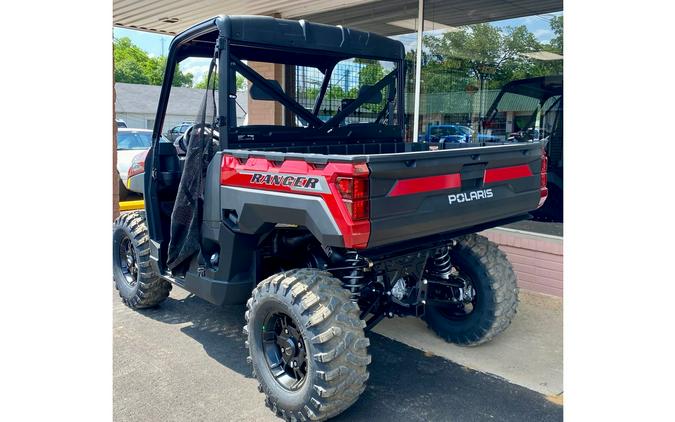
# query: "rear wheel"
[[487, 274], [306, 345], [138, 285]]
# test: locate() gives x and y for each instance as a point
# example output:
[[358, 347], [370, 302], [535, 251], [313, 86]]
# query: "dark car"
[[176, 131], [444, 133], [455, 133]]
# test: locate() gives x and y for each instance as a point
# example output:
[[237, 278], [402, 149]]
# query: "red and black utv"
[[327, 223]]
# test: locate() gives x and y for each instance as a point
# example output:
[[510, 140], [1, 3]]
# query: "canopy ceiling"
[[173, 16]]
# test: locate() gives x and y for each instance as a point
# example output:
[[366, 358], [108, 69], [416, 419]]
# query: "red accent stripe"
[[355, 234], [426, 184], [506, 173]]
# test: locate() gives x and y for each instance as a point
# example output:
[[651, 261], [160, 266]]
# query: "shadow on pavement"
[[217, 329], [404, 383]]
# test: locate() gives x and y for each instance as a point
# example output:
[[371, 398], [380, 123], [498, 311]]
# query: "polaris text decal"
[[470, 196], [291, 181]]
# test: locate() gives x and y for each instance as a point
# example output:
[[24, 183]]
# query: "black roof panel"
[[298, 35]]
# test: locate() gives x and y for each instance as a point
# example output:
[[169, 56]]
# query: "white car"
[[130, 142]]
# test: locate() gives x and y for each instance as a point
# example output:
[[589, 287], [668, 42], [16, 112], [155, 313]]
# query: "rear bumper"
[[411, 245], [435, 215]]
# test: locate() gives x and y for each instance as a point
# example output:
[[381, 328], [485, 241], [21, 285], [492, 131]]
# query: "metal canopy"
[[173, 16]]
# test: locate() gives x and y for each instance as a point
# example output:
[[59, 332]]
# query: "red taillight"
[[352, 188], [345, 186], [137, 164], [543, 181], [355, 194]]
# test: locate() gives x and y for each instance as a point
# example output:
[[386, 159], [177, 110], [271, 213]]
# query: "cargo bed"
[[413, 194]]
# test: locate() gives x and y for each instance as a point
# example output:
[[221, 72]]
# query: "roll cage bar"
[[540, 88], [226, 37], [274, 91]]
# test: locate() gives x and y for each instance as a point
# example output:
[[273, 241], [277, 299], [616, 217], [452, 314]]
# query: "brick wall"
[[537, 259], [266, 112]]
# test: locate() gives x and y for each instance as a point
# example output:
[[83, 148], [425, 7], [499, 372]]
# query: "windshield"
[[464, 130], [134, 140]]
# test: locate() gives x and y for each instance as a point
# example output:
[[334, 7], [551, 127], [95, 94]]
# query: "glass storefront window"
[[485, 80]]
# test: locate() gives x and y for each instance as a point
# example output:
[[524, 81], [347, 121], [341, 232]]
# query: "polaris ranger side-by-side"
[[547, 116], [323, 226]]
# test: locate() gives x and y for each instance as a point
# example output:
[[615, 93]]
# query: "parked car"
[[444, 133], [176, 131], [129, 143], [120, 123], [455, 133], [480, 137], [135, 174], [180, 143]]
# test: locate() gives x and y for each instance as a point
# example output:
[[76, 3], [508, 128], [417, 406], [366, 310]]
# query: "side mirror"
[[258, 93], [373, 99]]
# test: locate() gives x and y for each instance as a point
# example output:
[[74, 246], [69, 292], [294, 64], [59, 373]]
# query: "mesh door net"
[[186, 217]]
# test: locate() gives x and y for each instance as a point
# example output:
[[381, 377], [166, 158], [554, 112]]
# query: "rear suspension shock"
[[441, 267], [354, 278]]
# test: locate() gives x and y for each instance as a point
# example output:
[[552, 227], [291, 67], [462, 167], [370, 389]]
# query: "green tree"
[[486, 56], [240, 81], [487, 53], [482, 57], [130, 62], [556, 43], [335, 92], [371, 73], [133, 65]]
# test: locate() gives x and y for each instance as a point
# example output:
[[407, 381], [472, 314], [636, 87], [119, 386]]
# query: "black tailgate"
[[424, 193]]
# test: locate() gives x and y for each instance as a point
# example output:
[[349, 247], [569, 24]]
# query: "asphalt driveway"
[[185, 360]]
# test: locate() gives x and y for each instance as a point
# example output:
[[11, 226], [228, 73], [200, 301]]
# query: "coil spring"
[[441, 266], [354, 279]]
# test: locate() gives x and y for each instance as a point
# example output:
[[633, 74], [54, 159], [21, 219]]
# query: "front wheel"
[[139, 286], [487, 274], [306, 344]]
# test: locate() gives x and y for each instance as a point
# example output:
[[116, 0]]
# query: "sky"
[[537, 24], [157, 44]]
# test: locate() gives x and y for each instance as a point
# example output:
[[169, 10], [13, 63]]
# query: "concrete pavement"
[[185, 360], [528, 353]]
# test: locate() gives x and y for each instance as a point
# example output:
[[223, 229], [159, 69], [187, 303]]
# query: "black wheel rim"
[[462, 310], [284, 350], [128, 261]]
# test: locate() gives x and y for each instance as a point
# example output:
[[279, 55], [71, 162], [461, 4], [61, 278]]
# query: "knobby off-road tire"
[[494, 281], [138, 285], [333, 338]]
